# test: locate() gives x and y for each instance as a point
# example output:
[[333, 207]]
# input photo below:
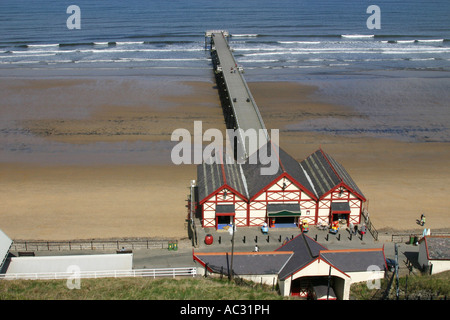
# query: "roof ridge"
[[278, 155]]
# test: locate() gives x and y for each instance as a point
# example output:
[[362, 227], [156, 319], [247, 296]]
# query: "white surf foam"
[[357, 36]]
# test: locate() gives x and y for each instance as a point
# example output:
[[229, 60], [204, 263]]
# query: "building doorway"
[[340, 211]]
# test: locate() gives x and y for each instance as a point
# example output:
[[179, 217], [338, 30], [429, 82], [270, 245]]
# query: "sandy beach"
[[90, 158]]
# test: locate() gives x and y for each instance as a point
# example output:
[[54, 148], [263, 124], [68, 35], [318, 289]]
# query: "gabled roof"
[[317, 175], [249, 178], [357, 260], [292, 257], [286, 166], [244, 263], [305, 251], [325, 174], [214, 177]]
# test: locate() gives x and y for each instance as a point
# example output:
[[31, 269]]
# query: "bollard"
[[220, 239], [279, 239], [243, 239], [315, 237], [339, 237], [267, 239], [256, 239], [326, 238]]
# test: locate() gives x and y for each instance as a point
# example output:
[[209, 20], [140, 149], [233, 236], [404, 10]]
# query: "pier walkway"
[[240, 109]]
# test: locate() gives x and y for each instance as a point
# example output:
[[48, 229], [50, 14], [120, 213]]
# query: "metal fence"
[[369, 225], [411, 237], [151, 273], [35, 245]]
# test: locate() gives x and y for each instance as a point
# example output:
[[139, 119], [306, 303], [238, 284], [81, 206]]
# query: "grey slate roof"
[[279, 207], [211, 177], [356, 260], [225, 208], [286, 164], [340, 207], [319, 173], [438, 247], [247, 263], [292, 257], [246, 178], [326, 173]]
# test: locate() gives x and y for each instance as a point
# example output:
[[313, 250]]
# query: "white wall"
[[98, 262]]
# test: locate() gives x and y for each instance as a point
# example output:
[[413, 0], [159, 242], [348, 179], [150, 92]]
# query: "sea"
[[387, 59], [315, 36]]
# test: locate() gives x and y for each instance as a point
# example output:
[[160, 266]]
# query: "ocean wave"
[[421, 59], [299, 42], [250, 35], [42, 45], [28, 56], [357, 36], [259, 61], [416, 41], [431, 40], [120, 43], [319, 60]]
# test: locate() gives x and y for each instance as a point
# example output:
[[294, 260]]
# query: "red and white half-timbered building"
[[338, 195], [315, 190], [222, 195]]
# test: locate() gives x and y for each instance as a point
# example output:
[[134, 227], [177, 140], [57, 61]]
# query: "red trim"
[[343, 185], [291, 179], [217, 191], [384, 256]]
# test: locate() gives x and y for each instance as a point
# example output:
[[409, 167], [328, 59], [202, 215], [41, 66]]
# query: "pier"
[[240, 110]]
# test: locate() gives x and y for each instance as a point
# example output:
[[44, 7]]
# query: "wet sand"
[[47, 192]]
